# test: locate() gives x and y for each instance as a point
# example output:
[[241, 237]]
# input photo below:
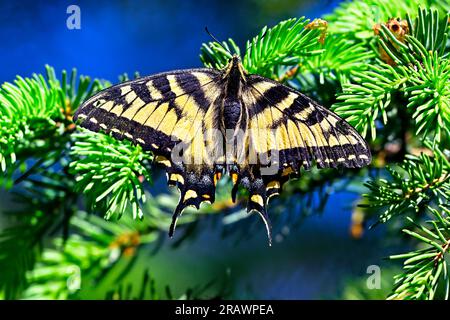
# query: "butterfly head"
[[235, 59], [235, 68]]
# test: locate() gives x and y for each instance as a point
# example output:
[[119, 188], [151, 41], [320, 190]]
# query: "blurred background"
[[315, 255]]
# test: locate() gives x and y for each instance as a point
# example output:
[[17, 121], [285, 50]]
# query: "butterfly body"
[[203, 123]]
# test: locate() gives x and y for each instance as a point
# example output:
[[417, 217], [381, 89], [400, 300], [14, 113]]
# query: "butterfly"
[[203, 123]]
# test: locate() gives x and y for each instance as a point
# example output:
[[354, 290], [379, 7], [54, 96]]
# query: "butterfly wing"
[[292, 131], [169, 110], [304, 132], [152, 111], [165, 113]]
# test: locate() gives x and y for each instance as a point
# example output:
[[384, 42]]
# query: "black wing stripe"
[[193, 122], [178, 111], [318, 117], [190, 83], [138, 131], [141, 90], [355, 161], [271, 97]]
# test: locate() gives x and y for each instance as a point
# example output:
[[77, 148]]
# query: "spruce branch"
[[35, 115], [47, 204], [431, 28], [110, 172], [426, 269], [284, 44], [19, 248], [429, 97], [216, 55], [368, 96], [37, 144], [340, 56], [93, 249], [357, 18], [420, 181], [419, 75]]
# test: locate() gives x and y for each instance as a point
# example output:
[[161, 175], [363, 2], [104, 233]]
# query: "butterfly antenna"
[[250, 46], [215, 39]]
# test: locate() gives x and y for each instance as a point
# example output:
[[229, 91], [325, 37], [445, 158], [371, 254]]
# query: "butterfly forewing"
[[155, 111], [304, 132]]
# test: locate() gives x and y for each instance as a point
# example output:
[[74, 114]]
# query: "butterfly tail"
[[196, 187]]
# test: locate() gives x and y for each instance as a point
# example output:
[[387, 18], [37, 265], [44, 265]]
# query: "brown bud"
[[399, 29]]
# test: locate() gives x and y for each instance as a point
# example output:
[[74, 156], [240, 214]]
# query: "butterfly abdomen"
[[232, 110]]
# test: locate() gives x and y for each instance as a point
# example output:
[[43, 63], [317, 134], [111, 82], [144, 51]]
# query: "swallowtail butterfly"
[[203, 123]]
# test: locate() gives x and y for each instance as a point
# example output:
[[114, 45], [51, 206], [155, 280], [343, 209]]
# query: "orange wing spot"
[[287, 171], [234, 177], [217, 177]]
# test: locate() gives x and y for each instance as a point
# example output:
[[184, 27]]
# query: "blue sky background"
[[129, 36]]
